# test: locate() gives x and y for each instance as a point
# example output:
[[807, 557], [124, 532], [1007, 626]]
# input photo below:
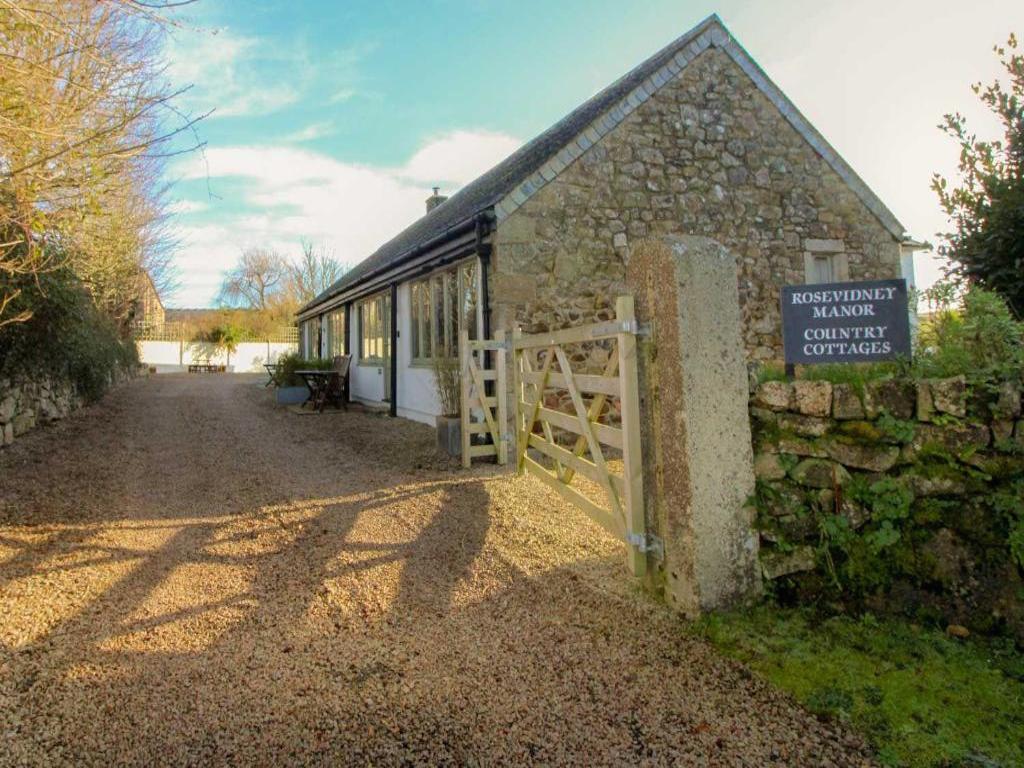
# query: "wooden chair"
[[339, 384]]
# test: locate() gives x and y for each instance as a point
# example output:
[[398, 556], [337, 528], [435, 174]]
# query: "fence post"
[[464, 394], [698, 468], [501, 392], [519, 393], [631, 457]]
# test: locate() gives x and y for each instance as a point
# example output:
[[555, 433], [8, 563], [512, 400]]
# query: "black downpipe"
[[348, 351], [483, 251], [394, 350]]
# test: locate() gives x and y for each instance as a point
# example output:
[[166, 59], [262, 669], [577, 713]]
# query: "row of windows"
[[442, 305], [323, 336]]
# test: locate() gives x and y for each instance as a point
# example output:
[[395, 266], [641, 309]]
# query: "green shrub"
[[293, 362], [981, 339], [67, 337]]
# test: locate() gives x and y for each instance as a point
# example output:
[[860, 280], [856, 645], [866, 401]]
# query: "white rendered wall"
[[907, 272], [174, 356], [366, 382], [417, 393]]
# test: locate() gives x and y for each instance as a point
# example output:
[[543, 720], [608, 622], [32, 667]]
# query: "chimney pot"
[[435, 199]]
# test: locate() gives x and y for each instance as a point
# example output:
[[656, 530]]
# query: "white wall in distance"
[[174, 356]]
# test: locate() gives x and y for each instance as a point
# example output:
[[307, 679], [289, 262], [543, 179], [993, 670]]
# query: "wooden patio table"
[[319, 384]]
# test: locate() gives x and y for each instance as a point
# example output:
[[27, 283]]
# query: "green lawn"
[[920, 697]]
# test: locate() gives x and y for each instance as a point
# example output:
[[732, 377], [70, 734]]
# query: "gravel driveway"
[[192, 576]]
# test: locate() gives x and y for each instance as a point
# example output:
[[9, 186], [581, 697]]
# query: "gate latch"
[[634, 327], [647, 542]]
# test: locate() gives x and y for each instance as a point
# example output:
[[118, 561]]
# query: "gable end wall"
[[708, 154]]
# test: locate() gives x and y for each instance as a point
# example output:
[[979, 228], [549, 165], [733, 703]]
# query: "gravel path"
[[191, 576]]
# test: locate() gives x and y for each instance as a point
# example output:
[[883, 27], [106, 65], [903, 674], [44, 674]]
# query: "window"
[[827, 267], [442, 305], [374, 329], [336, 333], [304, 338], [821, 269], [310, 337], [317, 335]]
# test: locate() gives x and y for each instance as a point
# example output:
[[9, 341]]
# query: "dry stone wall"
[[900, 495], [707, 155], [25, 403]]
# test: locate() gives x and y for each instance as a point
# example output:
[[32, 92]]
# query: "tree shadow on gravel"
[[444, 550], [355, 607]]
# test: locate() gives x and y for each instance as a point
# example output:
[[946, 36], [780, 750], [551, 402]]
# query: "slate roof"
[[525, 170]]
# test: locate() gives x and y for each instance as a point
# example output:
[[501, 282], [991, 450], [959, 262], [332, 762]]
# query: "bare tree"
[[257, 281], [316, 270], [87, 118]]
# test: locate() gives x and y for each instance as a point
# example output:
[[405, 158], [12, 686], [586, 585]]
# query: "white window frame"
[[373, 315], [438, 292], [335, 342]]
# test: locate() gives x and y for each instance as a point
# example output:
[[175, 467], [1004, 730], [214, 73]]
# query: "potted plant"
[[449, 424], [291, 389]]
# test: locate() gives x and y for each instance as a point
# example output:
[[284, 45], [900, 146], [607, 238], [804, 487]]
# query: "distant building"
[[149, 309], [697, 140]]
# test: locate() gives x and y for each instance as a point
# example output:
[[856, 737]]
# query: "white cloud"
[[186, 206], [227, 73], [459, 157], [292, 193], [310, 133], [343, 95]]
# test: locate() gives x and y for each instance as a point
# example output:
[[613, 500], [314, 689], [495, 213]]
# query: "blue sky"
[[334, 119]]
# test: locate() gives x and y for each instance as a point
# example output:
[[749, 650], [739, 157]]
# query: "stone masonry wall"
[[706, 155], [24, 403], [902, 496]]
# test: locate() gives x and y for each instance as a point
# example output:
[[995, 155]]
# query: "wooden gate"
[[483, 412], [543, 375]]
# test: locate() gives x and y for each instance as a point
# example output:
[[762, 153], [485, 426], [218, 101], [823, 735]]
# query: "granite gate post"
[[698, 462]]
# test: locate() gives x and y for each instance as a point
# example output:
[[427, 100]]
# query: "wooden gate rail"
[[475, 400], [623, 513]]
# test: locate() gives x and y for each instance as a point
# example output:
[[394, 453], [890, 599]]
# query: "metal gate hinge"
[[634, 326], [647, 542]]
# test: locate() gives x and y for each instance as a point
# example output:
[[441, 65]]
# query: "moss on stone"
[[861, 431]]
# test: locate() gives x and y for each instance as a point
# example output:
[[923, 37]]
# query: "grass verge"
[[921, 698]]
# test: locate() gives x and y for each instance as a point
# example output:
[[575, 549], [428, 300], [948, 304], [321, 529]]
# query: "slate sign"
[[862, 322]]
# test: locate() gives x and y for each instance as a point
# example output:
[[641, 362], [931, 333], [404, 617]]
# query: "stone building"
[[149, 310], [694, 141]]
